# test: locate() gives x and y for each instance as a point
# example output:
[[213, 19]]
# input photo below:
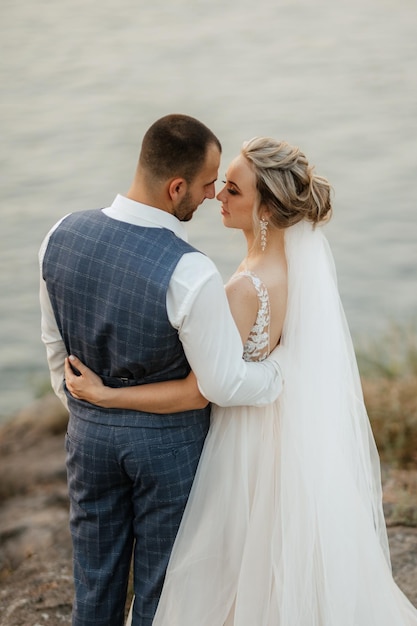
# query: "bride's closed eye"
[[230, 190]]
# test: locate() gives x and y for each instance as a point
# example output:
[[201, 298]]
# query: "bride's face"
[[238, 195]]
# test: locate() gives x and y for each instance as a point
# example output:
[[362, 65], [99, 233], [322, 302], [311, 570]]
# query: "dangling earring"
[[264, 227]]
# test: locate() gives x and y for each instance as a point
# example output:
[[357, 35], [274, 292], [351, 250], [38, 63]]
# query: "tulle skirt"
[[230, 566]]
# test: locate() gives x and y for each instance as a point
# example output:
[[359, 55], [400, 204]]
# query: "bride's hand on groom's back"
[[84, 385]]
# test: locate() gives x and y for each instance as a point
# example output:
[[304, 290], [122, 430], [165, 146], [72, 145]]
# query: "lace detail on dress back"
[[257, 346]]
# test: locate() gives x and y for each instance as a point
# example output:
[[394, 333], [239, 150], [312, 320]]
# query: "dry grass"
[[389, 379]]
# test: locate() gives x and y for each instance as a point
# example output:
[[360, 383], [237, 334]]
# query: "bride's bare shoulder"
[[240, 287]]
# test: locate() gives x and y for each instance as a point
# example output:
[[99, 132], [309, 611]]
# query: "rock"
[[30, 524], [35, 544], [32, 447], [403, 549]]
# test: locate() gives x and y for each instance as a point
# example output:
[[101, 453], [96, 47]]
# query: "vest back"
[[107, 281]]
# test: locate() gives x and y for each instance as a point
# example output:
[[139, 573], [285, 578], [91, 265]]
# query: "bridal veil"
[[332, 558]]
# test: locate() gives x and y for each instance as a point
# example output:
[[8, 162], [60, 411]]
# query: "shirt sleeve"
[[50, 335], [197, 306]]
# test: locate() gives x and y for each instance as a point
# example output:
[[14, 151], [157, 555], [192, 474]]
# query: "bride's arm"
[[164, 397], [168, 396]]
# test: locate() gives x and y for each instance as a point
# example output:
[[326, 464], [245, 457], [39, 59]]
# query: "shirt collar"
[[127, 210]]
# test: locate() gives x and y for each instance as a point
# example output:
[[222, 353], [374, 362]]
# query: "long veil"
[[331, 555]]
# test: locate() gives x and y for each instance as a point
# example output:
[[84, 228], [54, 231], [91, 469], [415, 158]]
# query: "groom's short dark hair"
[[176, 145]]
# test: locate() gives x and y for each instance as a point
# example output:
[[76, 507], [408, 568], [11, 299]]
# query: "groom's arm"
[[197, 306], [55, 348], [50, 335]]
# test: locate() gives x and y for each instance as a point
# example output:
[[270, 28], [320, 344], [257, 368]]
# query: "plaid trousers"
[[128, 487]]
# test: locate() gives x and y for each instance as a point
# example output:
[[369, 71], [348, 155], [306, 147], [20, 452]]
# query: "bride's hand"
[[161, 397], [87, 386]]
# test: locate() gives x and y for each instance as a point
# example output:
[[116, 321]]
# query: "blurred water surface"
[[82, 81]]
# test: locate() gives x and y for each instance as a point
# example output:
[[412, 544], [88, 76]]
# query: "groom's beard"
[[186, 208]]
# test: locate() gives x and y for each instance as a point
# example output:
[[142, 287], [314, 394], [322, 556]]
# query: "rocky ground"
[[35, 547]]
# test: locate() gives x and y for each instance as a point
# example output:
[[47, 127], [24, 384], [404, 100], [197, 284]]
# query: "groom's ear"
[[177, 189]]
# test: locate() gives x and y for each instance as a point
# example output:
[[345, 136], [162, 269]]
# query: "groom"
[[123, 290]]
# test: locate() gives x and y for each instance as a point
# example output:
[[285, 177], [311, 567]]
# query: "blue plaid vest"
[[107, 281]]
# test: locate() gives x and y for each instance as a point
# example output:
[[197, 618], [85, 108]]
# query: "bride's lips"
[[223, 211]]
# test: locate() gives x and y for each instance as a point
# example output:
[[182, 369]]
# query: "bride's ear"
[[264, 212]]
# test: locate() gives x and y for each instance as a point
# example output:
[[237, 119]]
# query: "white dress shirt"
[[198, 308]]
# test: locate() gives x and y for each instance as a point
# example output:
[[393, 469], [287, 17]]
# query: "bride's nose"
[[221, 196]]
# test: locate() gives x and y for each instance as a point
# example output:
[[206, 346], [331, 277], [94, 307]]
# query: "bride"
[[284, 525]]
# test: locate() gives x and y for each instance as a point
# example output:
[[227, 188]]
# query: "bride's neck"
[[275, 246]]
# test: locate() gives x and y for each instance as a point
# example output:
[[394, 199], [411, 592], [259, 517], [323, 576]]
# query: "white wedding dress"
[[284, 524]]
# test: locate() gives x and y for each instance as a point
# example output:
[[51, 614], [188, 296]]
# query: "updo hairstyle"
[[286, 183]]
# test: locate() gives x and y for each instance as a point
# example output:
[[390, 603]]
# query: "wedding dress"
[[284, 525]]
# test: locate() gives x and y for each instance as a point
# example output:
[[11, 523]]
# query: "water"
[[81, 82]]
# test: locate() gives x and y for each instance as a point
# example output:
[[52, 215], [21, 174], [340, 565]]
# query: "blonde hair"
[[286, 183]]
